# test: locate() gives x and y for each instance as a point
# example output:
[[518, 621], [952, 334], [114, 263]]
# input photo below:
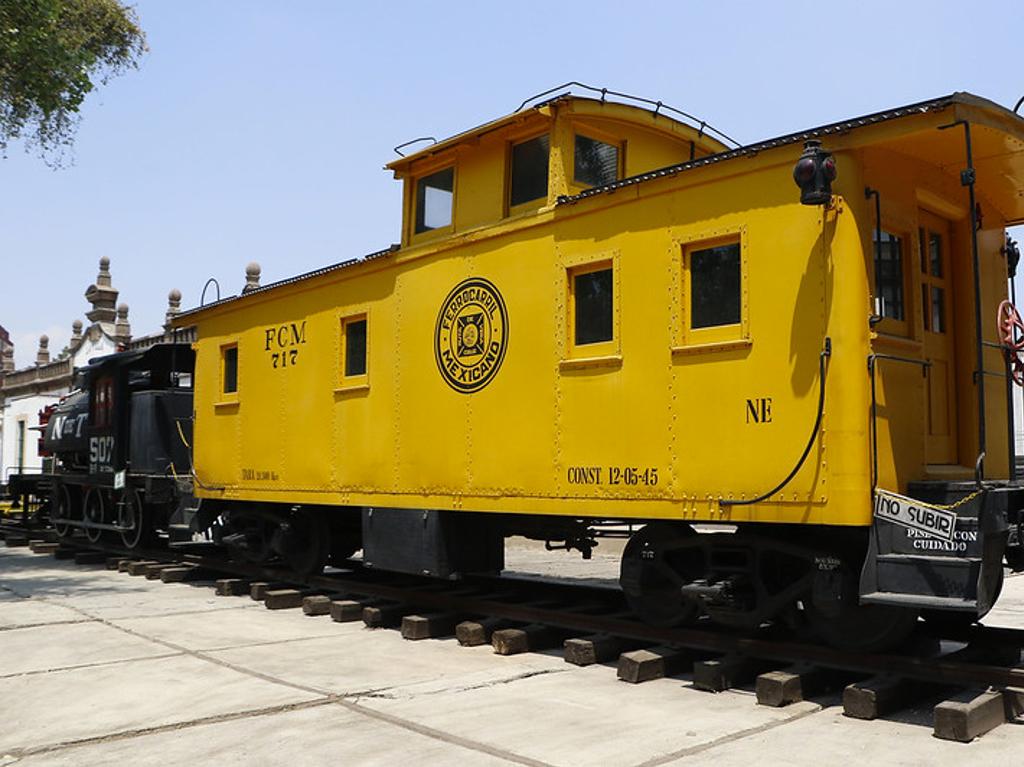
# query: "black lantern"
[[1012, 253], [814, 173]]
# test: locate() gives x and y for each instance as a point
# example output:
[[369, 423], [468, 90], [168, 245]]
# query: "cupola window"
[[596, 163], [529, 170], [434, 195]]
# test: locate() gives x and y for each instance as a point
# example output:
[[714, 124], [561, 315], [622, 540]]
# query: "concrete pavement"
[[98, 667]]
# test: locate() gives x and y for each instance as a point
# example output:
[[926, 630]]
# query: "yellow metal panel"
[[511, 445], [478, 169]]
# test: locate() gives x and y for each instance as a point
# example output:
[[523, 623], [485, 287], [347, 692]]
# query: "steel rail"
[[414, 592]]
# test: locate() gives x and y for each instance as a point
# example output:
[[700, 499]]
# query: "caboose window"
[[529, 170], [434, 195], [592, 306], [715, 286], [229, 356], [354, 351], [889, 276], [596, 162]]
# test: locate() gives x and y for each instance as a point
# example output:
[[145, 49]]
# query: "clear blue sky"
[[257, 131]]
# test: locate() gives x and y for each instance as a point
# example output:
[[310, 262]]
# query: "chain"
[[958, 504]]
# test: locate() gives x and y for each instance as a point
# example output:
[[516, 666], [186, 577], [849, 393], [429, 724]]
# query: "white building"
[[25, 393]]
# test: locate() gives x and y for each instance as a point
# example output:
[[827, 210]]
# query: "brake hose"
[[825, 353]]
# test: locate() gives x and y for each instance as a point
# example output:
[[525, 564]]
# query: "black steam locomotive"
[[119, 446]]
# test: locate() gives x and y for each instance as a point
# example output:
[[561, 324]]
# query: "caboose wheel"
[[847, 625], [93, 512], [303, 540], [138, 520], [657, 561]]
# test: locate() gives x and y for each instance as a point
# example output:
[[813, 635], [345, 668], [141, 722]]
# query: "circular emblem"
[[471, 335]]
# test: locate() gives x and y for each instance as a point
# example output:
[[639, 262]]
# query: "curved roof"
[[615, 110]]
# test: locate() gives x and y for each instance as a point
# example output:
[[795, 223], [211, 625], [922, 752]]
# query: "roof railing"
[[702, 126]]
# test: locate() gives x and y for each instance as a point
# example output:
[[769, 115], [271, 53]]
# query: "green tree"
[[52, 54]]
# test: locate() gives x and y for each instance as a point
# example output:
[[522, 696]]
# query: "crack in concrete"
[[210, 610], [444, 737], [44, 623], [205, 656], [730, 738], [96, 664], [395, 692], [20, 753]]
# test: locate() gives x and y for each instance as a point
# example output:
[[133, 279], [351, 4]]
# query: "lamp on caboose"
[[814, 173]]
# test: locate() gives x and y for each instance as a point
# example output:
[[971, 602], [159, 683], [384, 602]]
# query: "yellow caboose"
[[599, 315]]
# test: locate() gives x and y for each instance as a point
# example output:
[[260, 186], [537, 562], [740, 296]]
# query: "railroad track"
[[974, 672]]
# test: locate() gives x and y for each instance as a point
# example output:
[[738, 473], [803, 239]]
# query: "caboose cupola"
[[522, 164]]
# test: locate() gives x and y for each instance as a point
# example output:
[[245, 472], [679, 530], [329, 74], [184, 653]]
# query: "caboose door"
[[934, 243]]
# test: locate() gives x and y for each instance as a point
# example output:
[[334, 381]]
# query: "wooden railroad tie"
[[152, 572], [597, 648], [14, 540], [90, 558], [42, 547], [654, 663], [884, 694], [114, 563], [474, 633], [881, 695], [231, 587], [347, 610], [320, 604], [971, 713], [140, 567], [385, 615], [727, 672], [64, 552], [530, 638], [183, 574], [798, 682], [429, 625], [286, 599], [258, 589]]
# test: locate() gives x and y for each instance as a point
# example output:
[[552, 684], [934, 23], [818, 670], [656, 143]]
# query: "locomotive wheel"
[[65, 510], [94, 511], [137, 518], [656, 563]]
